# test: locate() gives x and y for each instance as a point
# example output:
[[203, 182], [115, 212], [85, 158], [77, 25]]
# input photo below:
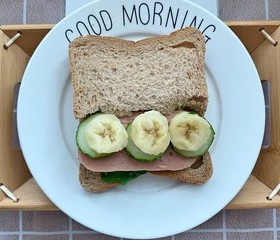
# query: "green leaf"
[[120, 177]]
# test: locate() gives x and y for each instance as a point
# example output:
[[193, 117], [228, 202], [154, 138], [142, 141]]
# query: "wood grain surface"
[[13, 170]]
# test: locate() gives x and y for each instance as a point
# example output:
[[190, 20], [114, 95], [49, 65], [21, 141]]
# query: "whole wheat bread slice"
[[118, 76], [199, 173]]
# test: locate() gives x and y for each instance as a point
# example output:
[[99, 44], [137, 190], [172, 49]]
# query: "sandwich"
[[141, 108]]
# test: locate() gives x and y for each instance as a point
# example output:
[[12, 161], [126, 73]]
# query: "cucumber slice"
[[201, 151], [81, 141], [137, 153]]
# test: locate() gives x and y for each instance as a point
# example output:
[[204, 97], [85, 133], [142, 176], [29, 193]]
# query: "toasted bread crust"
[[91, 181]]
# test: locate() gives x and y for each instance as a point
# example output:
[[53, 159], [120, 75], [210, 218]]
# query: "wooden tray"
[[15, 175]]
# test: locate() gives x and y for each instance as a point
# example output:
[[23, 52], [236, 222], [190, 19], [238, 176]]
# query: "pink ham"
[[127, 119], [120, 161]]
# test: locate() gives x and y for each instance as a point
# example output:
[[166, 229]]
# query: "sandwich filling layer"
[[121, 161]]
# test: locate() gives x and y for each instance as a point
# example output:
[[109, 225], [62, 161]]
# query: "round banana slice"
[[106, 134], [189, 131], [149, 132]]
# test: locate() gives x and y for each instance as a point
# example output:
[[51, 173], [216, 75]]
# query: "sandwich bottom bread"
[[141, 106], [198, 173]]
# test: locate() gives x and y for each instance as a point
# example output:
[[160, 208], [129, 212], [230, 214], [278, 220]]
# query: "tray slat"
[[31, 198], [31, 35], [248, 31], [267, 60], [13, 170]]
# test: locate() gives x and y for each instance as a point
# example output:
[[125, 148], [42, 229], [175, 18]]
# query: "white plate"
[[151, 206]]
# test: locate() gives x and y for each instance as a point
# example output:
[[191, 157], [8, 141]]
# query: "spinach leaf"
[[120, 177]]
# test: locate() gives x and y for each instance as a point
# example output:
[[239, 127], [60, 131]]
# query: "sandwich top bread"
[[118, 76], [124, 79]]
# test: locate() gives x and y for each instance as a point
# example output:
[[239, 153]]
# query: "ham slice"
[[120, 161]]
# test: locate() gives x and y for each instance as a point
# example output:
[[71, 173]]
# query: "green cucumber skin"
[[133, 151], [203, 149], [81, 141]]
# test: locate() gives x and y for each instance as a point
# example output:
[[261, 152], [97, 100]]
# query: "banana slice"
[[149, 132], [189, 132], [106, 134]]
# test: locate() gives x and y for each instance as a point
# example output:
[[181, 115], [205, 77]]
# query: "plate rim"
[[77, 12]]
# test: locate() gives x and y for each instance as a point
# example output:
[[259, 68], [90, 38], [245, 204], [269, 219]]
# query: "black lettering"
[[207, 38], [200, 23], [66, 34], [170, 15], [80, 23], [186, 14], [210, 26], [140, 13], [110, 23], [92, 25], [156, 12], [193, 23], [130, 18]]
